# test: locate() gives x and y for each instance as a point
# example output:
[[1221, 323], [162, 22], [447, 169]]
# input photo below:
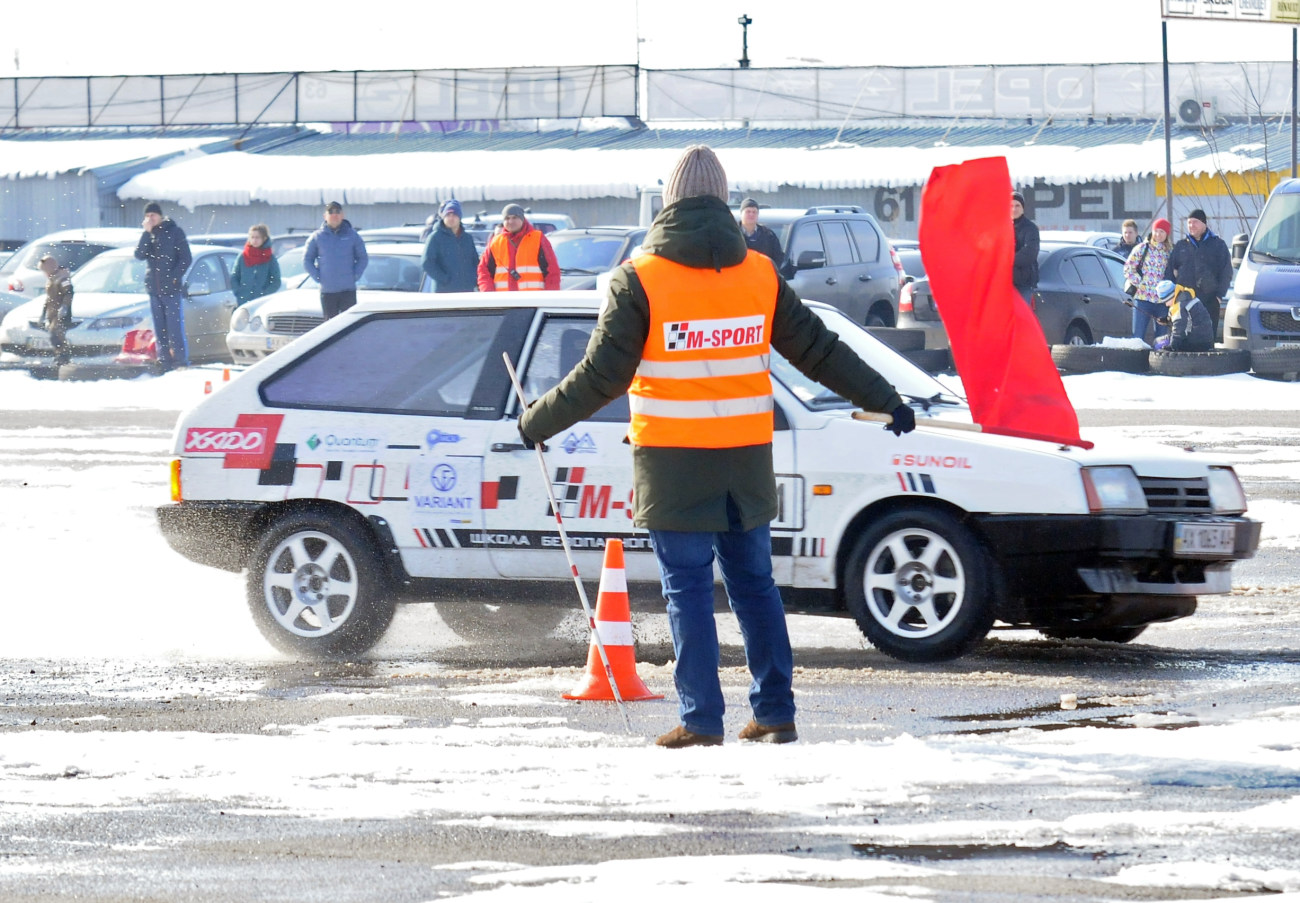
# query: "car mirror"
[[908, 279], [810, 260], [197, 288]]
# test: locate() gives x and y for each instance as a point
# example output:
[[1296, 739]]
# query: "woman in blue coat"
[[257, 272]]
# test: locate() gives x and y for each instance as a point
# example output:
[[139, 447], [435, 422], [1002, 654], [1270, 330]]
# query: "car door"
[[209, 303], [1103, 296], [806, 265], [589, 468], [1119, 315]]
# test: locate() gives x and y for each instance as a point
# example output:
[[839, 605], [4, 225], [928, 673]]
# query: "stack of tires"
[[1097, 358], [910, 343]]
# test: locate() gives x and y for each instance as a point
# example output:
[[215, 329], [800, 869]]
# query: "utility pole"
[[745, 21]]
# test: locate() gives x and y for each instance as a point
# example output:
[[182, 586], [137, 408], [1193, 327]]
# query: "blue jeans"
[[686, 569], [1144, 314], [169, 330]]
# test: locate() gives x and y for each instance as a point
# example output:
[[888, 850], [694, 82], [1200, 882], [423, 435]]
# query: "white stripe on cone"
[[613, 580], [615, 633]]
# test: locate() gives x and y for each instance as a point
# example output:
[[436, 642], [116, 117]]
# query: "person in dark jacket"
[[757, 236], [1190, 321], [1128, 238], [58, 305], [1024, 267], [450, 256], [336, 257], [701, 432], [166, 253], [257, 272], [1203, 263]]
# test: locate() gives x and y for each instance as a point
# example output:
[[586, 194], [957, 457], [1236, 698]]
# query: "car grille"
[[1278, 321], [292, 325], [1177, 495]]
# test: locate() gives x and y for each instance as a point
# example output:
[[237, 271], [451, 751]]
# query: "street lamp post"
[[745, 21]]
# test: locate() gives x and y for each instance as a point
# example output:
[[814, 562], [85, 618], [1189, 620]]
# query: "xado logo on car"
[[219, 441], [736, 332]]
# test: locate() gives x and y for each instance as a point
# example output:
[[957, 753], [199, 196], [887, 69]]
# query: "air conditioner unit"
[[1197, 112]]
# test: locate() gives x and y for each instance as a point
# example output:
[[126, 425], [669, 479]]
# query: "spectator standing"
[[336, 257], [1024, 267], [1145, 268], [450, 256], [1129, 239], [58, 305], [257, 272], [701, 434], [518, 258], [757, 236], [166, 253], [1191, 327], [1203, 263]]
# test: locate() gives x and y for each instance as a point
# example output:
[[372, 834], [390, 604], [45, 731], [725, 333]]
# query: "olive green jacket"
[[687, 488]]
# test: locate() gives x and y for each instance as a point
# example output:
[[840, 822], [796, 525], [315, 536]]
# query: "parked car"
[[377, 460], [916, 307], [267, 324], [112, 326], [1106, 240], [224, 239], [1263, 311], [404, 234], [283, 244], [21, 274], [10, 300], [839, 255], [1080, 298], [543, 222], [584, 254]]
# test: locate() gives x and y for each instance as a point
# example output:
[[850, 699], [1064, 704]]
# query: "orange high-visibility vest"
[[703, 379], [527, 262]]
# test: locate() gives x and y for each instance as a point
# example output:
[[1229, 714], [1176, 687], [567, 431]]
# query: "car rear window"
[[427, 364]]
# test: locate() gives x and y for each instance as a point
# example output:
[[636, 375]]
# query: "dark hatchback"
[[584, 254], [1080, 298]]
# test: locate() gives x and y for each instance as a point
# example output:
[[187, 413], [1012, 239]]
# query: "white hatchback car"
[[377, 460]]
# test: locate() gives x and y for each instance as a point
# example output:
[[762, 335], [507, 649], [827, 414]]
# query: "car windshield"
[[1277, 236], [71, 254], [906, 377], [588, 253], [291, 263], [113, 275]]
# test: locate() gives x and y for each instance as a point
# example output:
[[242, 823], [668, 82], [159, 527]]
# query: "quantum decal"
[[332, 443]]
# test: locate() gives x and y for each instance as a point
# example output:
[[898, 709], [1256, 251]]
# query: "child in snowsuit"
[[1192, 329]]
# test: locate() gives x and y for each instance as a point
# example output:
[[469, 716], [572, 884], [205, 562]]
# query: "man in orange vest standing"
[[518, 258], [701, 432]]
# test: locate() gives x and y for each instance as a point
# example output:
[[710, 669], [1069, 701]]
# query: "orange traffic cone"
[[614, 622], [207, 387]]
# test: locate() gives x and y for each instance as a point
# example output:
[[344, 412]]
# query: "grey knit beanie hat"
[[697, 174]]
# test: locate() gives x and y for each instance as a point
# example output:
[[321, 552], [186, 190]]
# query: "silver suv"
[[839, 256]]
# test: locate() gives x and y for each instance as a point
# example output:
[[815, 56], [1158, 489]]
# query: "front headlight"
[[255, 324], [1226, 494], [1113, 490], [115, 322], [240, 320]]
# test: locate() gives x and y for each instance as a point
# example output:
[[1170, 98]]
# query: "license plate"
[[1204, 539], [275, 343], [38, 341]]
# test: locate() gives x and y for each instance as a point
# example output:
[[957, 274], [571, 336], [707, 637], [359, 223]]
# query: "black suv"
[[839, 255]]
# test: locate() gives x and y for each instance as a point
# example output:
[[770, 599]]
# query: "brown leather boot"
[[769, 733], [679, 737]]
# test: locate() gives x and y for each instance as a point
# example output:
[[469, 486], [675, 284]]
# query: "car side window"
[[839, 252], [228, 266], [207, 273], [1090, 271], [427, 364], [868, 240], [560, 345], [807, 237], [1069, 275], [1115, 269]]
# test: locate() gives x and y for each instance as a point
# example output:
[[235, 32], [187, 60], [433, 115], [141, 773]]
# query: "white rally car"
[[377, 458]]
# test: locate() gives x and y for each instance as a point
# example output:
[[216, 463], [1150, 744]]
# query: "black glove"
[[904, 420], [528, 443]]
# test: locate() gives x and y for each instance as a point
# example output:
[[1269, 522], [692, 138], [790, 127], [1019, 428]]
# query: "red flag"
[[967, 244]]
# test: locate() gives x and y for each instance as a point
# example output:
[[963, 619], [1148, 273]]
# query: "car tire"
[[1200, 363], [316, 586], [1276, 363], [899, 339], [1104, 634], [931, 360], [927, 626], [1098, 358], [1076, 334]]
